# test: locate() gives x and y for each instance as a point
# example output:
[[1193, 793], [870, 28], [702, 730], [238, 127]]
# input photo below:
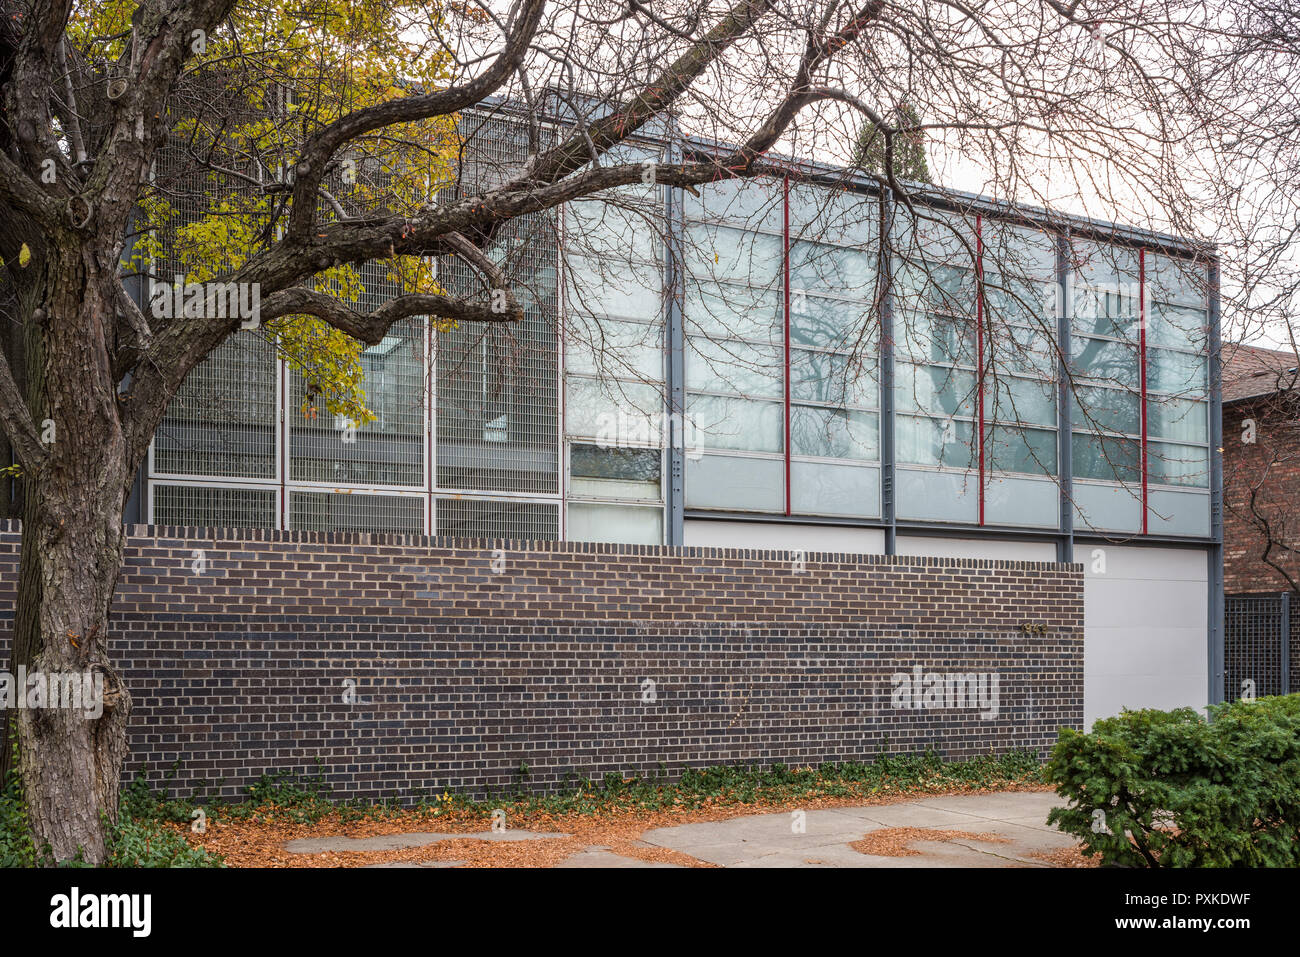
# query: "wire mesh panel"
[[1255, 628], [387, 451], [213, 507], [497, 403], [222, 419], [514, 518], [336, 511]]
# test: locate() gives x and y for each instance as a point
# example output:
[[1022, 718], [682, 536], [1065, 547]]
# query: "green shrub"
[[147, 844], [1171, 789], [16, 849], [135, 842]]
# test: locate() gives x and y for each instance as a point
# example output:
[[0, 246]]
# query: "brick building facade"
[[1261, 470], [403, 663]]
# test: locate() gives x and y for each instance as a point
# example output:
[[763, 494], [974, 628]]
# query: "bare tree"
[[1044, 103], [1261, 462]]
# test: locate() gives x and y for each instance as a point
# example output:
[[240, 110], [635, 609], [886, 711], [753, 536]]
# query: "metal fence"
[[1259, 646]]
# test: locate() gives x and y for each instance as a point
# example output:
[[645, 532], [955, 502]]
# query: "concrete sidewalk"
[[1004, 829], [1018, 819]]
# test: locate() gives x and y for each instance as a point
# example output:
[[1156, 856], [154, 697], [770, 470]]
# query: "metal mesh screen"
[[478, 518], [1255, 630], [355, 512], [214, 507], [388, 451], [497, 403], [222, 419]]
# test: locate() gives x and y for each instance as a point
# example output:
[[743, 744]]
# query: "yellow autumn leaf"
[[24, 256]]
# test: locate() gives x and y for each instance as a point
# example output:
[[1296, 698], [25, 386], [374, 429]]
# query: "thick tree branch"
[[18, 424], [371, 328], [585, 143], [315, 155]]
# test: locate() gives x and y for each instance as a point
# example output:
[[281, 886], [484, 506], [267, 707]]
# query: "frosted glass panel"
[[1183, 327], [601, 287], [610, 347], [1112, 362], [1021, 501], [831, 323], [1179, 419], [934, 389], [1020, 450], [927, 337], [723, 253], [1106, 458], [1177, 280], [716, 310], [834, 433], [614, 413], [622, 230], [1031, 401], [735, 367], [936, 287], [741, 484], [832, 215], [739, 424], [625, 524], [1170, 464], [938, 496], [1108, 507], [1178, 513], [1106, 410], [925, 441], [756, 203], [1020, 351], [1178, 372], [823, 488], [833, 378], [820, 269]]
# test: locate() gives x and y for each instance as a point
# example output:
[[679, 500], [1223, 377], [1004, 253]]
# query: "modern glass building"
[[801, 362]]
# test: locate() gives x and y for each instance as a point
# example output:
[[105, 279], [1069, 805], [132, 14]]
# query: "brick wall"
[[1271, 466], [405, 663]]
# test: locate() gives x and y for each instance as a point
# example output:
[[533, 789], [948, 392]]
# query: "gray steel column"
[[1064, 399], [674, 366], [888, 511], [1215, 552]]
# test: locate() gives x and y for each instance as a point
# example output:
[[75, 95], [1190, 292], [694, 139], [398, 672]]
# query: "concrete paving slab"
[[770, 840], [418, 864], [596, 856], [910, 815], [397, 842], [767, 840], [1001, 806]]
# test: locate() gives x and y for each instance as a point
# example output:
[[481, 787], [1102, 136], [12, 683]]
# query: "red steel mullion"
[[979, 348], [785, 265]]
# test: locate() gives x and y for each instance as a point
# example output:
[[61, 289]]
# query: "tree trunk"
[[71, 757]]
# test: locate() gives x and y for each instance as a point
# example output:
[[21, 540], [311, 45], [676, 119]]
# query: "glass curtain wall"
[[781, 360], [936, 332], [1177, 397], [833, 347], [1019, 359], [735, 346], [782, 382], [614, 362]]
